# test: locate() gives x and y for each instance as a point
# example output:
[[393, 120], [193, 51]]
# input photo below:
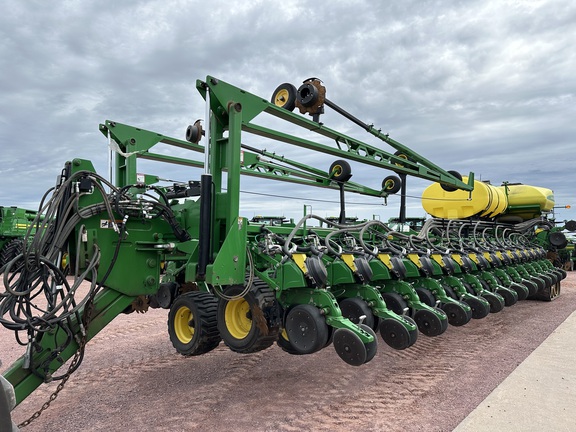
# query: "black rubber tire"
[[510, 297], [429, 323], [285, 344], [251, 323], [395, 334], [479, 308], [457, 315], [306, 328], [350, 347], [450, 292], [353, 308], [192, 323], [285, 96], [402, 155], [10, 250], [496, 302], [448, 188], [395, 302], [520, 290], [392, 184], [426, 296], [341, 169]]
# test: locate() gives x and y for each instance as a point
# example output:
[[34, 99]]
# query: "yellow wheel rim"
[[281, 98], [182, 320], [237, 318], [401, 156], [337, 170]]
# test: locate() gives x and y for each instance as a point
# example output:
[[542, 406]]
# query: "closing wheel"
[[457, 315], [340, 171], [426, 296], [350, 347], [285, 96], [531, 286], [371, 347], [510, 297], [391, 184], [306, 329], [395, 334], [249, 324], [192, 323], [496, 301], [479, 308], [520, 290], [429, 323], [354, 308], [395, 302]]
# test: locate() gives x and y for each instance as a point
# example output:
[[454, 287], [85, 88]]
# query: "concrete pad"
[[540, 395]]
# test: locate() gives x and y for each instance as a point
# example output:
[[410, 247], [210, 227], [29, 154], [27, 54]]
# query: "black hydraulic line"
[[347, 115], [205, 223]]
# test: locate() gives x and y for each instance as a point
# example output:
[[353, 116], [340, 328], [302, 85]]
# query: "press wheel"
[[350, 347], [457, 315], [306, 329], [429, 323], [479, 308], [395, 334], [496, 301], [520, 290], [510, 297]]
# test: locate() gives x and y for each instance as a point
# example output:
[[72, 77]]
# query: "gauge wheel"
[[340, 171], [353, 308], [192, 323], [395, 302], [285, 96], [250, 323], [306, 329], [426, 296]]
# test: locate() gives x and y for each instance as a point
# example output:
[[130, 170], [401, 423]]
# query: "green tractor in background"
[[14, 223]]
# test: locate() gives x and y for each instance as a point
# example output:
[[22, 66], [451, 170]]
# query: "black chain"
[[88, 310]]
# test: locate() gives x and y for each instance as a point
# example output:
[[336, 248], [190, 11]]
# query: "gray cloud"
[[483, 86]]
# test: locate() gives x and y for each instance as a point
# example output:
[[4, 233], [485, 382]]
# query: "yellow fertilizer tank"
[[487, 201]]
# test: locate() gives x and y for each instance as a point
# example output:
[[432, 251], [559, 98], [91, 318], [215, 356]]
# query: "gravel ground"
[[132, 379]]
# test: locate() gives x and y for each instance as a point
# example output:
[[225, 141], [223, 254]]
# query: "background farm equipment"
[[14, 224], [185, 247]]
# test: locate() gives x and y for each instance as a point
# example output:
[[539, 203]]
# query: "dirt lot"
[[132, 379]]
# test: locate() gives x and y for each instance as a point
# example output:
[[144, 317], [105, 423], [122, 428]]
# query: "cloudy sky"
[[486, 86]]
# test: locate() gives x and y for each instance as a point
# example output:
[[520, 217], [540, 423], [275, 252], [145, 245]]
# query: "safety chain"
[[87, 317]]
